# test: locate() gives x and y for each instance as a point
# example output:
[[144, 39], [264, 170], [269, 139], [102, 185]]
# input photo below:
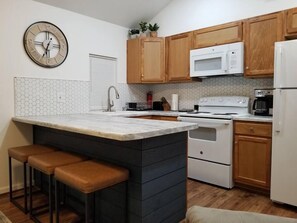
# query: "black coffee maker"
[[263, 103]]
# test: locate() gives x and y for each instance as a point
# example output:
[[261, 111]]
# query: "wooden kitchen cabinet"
[[178, 57], [291, 23], [260, 34], [217, 35], [146, 60], [252, 154]]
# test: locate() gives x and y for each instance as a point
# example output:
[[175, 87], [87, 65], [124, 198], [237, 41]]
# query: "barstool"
[[89, 177], [21, 154], [47, 164]]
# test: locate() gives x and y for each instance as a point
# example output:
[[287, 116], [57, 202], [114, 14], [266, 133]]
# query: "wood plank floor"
[[236, 199], [198, 194]]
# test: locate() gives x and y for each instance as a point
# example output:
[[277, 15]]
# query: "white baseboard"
[[5, 189]]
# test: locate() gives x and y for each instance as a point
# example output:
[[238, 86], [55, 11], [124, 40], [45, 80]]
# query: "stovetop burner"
[[198, 112], [222, 107], [226, 113]]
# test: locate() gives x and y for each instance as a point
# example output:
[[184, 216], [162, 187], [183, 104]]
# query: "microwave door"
[[209, 64]]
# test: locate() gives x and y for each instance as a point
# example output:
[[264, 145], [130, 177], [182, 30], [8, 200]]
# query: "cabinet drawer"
[[253, 128], [165, 118], [157, 117]]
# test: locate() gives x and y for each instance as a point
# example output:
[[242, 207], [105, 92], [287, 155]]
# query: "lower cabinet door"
[[252, 161]]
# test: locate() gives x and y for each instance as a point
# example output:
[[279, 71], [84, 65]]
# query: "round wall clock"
[[46, 44]]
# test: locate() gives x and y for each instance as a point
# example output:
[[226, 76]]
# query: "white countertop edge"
[[108, 135], [253, 118]]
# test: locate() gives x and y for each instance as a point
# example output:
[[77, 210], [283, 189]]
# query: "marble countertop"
[[118, 126], [137, 113], [250, 117], [111, 125]]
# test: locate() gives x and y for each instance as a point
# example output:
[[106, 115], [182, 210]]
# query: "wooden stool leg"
[[88, 215], [50, 198], [64, 194], [41, 181], [30, 192], [25, 188], [57, 198], [94, 207], [126, 203], [10, 178], [12, 198]]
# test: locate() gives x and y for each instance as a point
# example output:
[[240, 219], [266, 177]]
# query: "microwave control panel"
[[235, 62]]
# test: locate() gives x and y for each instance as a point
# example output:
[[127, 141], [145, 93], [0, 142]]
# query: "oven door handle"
[[206, 122]]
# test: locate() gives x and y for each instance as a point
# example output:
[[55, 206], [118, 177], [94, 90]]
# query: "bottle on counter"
[[149, 99]]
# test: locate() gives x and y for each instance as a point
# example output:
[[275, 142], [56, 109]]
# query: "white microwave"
[[217, 60]]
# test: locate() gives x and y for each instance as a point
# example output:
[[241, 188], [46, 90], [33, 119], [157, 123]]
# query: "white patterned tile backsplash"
[[189, 93], [35, 96], [131, 93]]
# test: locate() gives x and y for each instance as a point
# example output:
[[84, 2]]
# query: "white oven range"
[[210, 145]]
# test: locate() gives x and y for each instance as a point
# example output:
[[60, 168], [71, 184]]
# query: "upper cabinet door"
[[146, 60], [178, 57], [260, 35], [218, 35], [152, 60], [291, 22], [133, 61]]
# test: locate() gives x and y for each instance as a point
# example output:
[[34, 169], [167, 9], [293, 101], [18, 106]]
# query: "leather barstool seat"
[[21, 154], [88, 177], [46, 164]]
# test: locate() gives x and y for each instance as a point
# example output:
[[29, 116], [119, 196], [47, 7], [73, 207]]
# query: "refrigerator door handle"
[[277, 115], [278, 66]]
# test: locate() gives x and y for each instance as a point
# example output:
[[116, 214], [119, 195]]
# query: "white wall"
[[186, 15], [84, 34]]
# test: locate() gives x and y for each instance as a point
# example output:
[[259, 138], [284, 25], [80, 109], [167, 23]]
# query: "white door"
[[285, 64], [284, 147]]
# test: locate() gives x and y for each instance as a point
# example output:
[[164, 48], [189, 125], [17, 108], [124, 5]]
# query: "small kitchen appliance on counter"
[[137, 106], [263, 103], [157, 105]]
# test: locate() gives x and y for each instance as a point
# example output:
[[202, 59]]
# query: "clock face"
[[46, 44]]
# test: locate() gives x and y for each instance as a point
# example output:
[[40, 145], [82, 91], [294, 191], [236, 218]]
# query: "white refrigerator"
[[284, 138]]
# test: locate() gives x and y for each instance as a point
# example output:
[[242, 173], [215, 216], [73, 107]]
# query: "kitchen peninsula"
[[153, 151]]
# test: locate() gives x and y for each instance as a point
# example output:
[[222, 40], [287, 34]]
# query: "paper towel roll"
[[174, 102]]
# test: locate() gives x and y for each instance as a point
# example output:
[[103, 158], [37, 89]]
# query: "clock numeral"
[[36, 55]]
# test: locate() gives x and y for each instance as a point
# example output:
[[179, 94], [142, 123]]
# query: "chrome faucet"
[[110, 103]]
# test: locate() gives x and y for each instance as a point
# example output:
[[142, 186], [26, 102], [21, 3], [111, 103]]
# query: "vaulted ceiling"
[[127, 13]]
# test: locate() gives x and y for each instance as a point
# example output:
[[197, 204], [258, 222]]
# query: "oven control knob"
[[201, 152]]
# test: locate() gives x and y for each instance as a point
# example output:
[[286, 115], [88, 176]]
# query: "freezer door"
[[284, 147], [285, 64]]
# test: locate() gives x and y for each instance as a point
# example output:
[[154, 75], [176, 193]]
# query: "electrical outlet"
[[61, 98]]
